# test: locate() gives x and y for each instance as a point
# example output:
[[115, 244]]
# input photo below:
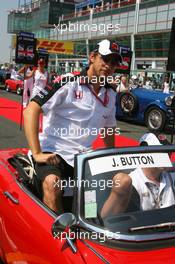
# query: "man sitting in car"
[[154, 187], [73, 105]]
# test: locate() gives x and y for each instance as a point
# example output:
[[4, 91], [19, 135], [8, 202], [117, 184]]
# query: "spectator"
[[14, 73], [166, 87], [123, 86], [107, 6], [148, 83]]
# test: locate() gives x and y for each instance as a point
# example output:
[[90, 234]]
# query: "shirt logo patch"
[[78, 94]]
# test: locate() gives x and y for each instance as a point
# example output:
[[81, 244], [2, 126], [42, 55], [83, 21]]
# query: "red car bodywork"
[[14, 85], [25, 231], [24, 237]]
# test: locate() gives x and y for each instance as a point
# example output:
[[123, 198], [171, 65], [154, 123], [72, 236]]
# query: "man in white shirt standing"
[[72, 112], [14, 73], [166, 86]]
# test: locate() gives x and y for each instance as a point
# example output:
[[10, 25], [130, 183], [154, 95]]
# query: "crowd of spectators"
[[100, 7], [124, 82]]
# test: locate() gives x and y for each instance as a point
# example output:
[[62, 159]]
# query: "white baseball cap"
[[106, 47], [151, 139]]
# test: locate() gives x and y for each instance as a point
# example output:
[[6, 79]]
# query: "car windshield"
[[130, 193]]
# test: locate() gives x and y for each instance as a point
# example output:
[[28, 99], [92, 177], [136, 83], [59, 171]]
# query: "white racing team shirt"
[[73, 117], [143, 186]]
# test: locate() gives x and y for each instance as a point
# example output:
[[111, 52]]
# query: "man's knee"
[[51, 183]]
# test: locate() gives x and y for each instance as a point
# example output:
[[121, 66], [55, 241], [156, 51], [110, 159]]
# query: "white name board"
[[128, 161]]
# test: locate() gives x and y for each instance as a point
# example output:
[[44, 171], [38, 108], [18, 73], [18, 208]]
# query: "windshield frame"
[[80, 161]]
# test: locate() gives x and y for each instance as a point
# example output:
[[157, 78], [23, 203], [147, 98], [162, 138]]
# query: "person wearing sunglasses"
[[75, 110], [40, 76]]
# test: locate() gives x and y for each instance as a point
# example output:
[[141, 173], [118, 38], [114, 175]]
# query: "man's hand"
[[48, 158]]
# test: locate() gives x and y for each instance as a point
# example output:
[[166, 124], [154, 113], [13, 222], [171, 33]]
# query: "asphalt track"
[[11, 136]]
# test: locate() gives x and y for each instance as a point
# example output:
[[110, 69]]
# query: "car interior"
[[133, 216], [28, 179]]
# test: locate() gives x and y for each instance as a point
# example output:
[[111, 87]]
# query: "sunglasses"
[[111, 60]]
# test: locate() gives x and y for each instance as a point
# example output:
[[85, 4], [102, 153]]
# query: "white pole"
[[87, 47], [89, 33], [56, 56], [90, 22], [136, 20], [133, 52]]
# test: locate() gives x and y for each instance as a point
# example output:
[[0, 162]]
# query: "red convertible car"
[[14, 85], [31, 233]]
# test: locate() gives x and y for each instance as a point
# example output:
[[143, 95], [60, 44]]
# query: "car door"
[[25, 227], [5, 180]]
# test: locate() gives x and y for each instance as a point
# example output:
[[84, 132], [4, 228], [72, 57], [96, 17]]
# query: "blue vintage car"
[[152, 107]]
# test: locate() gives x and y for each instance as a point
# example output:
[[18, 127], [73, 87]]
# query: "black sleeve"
[[44, 95]]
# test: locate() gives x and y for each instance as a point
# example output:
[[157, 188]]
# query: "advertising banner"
[[25, 48], [126, 54], [55, 46]]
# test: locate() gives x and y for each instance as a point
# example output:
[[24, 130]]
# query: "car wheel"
[[19, 90], [128, 103], [155, 119], [7, 88]]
